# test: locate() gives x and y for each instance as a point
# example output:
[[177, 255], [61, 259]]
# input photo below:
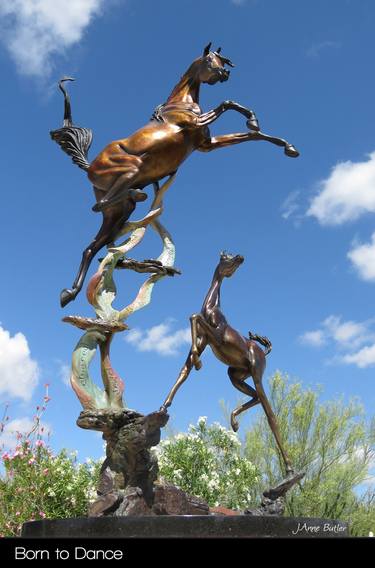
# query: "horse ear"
[[206, 50], [218, 50]]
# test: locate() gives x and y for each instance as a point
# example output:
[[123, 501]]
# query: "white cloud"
[[18, 371], [314, 338], [159, 338], [8, 437], [315, 50], [349, 338], [347, 193], [365, 357], [33, 31], [363, 258], [64, 373], [290, 205], [347, 333]]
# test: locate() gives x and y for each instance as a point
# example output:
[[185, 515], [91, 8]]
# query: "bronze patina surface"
[[242, 355], [125, 167]]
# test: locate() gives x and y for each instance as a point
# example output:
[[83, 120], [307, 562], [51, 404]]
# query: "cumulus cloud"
[[347, 193], [34, 31], [343, 333], [314, 338], [362, 257], [362, 358], [348, 337], [23, 425], [160, 338], [316, 48], [18, 371]]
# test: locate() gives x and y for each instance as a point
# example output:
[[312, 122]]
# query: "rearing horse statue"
[[176, 129]]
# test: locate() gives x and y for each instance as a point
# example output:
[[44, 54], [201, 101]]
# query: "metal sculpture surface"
[[101, 293], [243, 355], [126, 166]]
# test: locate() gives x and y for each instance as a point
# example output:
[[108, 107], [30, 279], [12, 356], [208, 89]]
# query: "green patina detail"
[[105, 294], [82, 357]]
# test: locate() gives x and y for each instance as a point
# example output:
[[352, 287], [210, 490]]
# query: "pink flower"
[[31, 461], [18, 513], [45, 471], [40, 443], [5, 456], [41, 514]]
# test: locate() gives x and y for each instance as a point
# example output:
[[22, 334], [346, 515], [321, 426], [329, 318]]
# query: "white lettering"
[[22, 553]]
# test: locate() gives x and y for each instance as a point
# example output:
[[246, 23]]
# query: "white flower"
[[213, 484], [180, 436], [237, 471], [202, 420]]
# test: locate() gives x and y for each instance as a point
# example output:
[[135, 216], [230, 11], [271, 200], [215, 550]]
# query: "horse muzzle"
[[224, 75]]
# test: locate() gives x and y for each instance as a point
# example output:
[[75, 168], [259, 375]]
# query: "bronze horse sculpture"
[[243, 355], [125, 167]]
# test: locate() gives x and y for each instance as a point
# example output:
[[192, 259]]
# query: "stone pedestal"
[[186, 526]]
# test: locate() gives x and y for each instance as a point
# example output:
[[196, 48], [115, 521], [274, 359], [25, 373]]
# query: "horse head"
[[229, 263], [211, 66]]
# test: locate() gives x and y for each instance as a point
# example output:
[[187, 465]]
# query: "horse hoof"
[[66, 296], [291, 151], [198, 365], [234, 424], [253, 124]]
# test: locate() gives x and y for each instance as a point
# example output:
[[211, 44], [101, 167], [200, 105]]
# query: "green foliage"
[[208, 462], [38, 484], [329, 441]]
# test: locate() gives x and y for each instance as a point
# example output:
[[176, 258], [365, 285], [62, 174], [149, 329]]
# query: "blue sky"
[[305, 226]]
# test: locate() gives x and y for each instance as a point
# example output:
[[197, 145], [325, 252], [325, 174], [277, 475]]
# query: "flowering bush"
[[36, 483], [208, 462]]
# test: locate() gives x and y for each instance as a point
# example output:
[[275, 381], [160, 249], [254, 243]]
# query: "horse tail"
[[73, 140], [263, 341]]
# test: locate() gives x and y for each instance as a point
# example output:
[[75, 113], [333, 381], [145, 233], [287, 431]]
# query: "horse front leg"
[[208, 117], [230, 139], [201, 331], [183, 375]]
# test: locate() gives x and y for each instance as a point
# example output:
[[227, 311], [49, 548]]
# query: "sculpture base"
[[185, 526]]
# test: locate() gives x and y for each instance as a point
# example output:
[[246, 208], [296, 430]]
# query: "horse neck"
[[212, 299], [187, 89]]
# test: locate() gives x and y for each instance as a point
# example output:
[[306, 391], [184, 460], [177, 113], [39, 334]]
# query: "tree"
[[330, 441]]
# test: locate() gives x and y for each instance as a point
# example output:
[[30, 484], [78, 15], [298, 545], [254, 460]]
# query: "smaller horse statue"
[[243, 355], [125, 167]]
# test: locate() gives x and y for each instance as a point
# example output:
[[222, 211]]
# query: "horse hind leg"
[[237, 377], [113, 220], [271, 418], [126, 171]]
